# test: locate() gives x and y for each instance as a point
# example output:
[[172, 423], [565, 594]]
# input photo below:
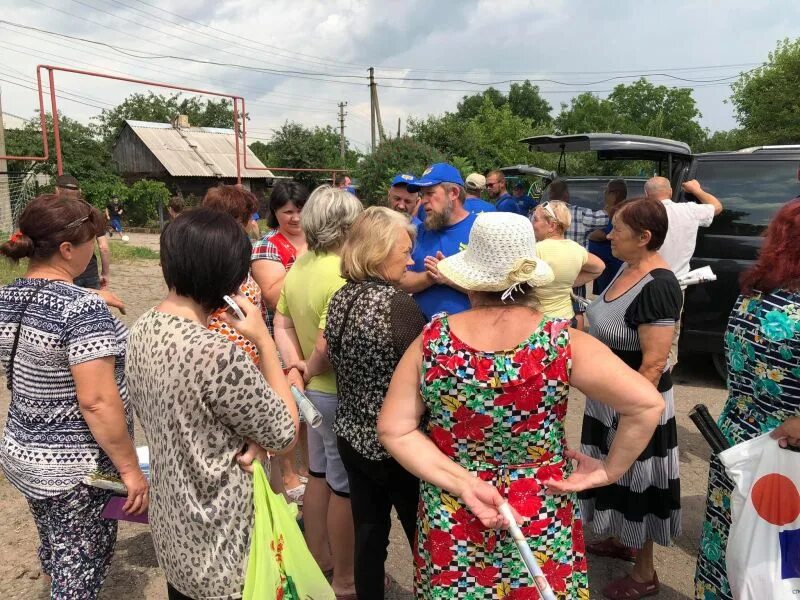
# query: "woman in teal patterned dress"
[[762, 346], [491, 386]]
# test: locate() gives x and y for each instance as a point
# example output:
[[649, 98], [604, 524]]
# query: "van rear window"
[[751, 191]]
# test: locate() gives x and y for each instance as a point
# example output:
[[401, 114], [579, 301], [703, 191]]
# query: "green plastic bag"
[[280, 566]]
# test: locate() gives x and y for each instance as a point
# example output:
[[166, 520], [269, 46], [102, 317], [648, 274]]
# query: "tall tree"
[[84, 155], [470, 106], [525, 101], [639, 108], [161, 108], [765, 100], [298, 147]]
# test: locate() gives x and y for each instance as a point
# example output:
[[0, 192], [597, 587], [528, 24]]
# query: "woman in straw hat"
[[493, 383]]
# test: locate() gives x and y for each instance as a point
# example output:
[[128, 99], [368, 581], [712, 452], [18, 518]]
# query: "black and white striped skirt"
[[646, 501]]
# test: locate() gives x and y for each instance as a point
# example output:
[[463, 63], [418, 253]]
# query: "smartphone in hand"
[[233, 308]]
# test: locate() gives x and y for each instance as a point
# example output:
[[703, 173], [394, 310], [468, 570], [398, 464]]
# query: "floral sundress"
[[500, 415], [762, 347]]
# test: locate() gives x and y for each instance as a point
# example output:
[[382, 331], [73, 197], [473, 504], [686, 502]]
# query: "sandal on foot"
[[612, 549], [628, 588]]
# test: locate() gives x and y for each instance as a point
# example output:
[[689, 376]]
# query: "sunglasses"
[[549, 210]]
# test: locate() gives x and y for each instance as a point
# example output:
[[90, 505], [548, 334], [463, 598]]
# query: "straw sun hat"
[[500, 256]]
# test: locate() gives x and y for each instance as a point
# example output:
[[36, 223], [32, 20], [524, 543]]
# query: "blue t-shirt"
[[448, 241], [527, 204], [507, 203], [477, 206], [602, 250], [415, 221]]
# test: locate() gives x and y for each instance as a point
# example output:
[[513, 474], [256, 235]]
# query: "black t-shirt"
[[114, 210]]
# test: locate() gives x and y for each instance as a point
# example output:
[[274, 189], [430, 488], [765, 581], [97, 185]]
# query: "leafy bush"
[[99, 192], [400, 155], [143, 200]]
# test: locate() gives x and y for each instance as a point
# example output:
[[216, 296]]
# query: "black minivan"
[[751, 184]]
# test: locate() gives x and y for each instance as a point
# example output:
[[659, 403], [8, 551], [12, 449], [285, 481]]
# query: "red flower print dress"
[[501, 416]]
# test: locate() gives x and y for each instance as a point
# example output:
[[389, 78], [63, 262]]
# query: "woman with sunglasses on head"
[[572, 265], [64, 356]]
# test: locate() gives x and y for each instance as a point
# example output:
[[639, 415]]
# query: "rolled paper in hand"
[[545, 591], [310, 413]]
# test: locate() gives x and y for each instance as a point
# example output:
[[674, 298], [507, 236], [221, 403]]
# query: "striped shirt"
[[584, 222], [47, 446]]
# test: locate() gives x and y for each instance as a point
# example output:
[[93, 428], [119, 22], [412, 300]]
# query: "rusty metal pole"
[[56, 133], [236, 141]]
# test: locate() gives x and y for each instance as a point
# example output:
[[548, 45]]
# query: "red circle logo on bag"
[[776, 499]]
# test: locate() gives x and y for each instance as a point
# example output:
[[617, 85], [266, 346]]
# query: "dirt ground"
[[135, 573]]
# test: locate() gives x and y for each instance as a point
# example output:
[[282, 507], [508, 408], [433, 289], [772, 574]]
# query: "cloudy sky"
[[296, 60]]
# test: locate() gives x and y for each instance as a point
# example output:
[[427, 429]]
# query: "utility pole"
[[342, 115], [398, 127], [372, 97], [5, 184]]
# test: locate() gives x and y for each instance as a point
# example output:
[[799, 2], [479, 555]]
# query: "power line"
[[256, 102]]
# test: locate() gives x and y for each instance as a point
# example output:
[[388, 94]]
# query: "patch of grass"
[[10, 271], [121, 251]]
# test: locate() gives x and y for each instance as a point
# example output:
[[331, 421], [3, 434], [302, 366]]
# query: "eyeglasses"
[[488, 185]]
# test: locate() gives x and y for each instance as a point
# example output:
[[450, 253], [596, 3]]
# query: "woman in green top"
[[301, 316], [572, 265]]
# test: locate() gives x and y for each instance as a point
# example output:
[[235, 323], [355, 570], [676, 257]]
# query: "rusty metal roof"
[[196, 151]]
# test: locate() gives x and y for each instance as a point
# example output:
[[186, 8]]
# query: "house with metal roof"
[[187, 159]]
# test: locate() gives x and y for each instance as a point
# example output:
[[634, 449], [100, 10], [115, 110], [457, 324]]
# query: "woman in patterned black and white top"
[[64, 356], [635, 317], [370, 325]]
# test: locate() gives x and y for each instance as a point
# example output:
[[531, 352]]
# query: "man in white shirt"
[[685, 218]]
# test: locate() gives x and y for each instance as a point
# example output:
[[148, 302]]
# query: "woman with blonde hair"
[[476, 410], [371, 323], [300, 319], [572, 265]]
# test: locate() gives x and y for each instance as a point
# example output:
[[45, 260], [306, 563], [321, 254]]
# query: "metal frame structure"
[[235, 100]]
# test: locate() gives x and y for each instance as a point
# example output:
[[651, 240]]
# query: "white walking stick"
[[545, 591]]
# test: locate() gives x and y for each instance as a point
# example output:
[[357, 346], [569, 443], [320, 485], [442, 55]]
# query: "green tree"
[[765, 100], [470, 106], [733, 139], [639, 108], [488, 140], [587, 113], [298, 147], [83, 154], [162, 108], [99, 192], [397, 155], [525, 101], [657, 110]]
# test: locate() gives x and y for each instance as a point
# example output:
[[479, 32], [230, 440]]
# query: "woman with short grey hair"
[[300, 320]]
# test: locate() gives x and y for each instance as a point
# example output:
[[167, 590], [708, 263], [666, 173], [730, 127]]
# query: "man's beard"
[[437, 221]]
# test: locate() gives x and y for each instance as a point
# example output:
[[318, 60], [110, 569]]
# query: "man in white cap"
[[474, 185], [445, 232]]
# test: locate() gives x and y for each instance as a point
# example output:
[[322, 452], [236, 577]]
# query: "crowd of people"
[[438, 336]]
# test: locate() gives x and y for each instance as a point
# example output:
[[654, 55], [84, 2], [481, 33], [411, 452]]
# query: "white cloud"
[[471, 40]]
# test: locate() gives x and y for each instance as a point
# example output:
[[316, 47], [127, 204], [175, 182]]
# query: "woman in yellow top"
[[572, 265], [300, 319]]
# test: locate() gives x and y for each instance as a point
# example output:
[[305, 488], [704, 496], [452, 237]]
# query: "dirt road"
[[135, 574]]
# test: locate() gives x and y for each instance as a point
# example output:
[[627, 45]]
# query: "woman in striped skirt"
[[635, 316]]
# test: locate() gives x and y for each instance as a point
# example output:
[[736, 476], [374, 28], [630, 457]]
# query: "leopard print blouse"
[[198, 396]]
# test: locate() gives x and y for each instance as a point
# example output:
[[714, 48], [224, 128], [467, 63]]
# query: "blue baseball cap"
[[403, 179], [436, 174]]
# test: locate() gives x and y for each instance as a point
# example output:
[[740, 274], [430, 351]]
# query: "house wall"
[[133, 157]]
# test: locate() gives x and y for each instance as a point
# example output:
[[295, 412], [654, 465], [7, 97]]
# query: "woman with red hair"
[[762, 346]]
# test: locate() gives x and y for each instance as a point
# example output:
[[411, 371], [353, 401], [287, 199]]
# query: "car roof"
[[609, 145], [789, 151]]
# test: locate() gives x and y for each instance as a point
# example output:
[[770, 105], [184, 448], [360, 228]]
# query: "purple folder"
[[113, 510]]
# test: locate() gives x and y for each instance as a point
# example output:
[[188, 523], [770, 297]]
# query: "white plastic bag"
[[763, 554]]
